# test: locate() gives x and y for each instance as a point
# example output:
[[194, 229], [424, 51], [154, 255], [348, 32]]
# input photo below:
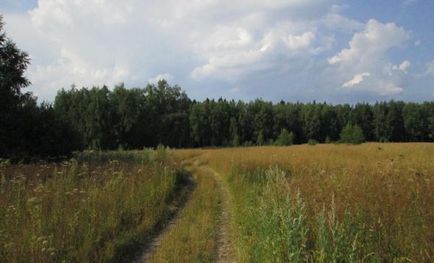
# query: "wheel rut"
[[162, 231]]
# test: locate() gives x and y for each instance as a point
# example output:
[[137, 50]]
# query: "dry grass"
[[322, 203], [371, 202], [92, 211]]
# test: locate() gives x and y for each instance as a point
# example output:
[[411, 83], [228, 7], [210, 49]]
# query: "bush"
[[352, 134], [285, 138], [312, 142], [261, 139]]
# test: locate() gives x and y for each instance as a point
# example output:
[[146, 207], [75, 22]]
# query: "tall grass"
[[87, 211], [331, 203]]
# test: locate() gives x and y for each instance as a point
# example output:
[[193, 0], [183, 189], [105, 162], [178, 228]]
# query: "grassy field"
[[319, 203], [331, 203], [98, 207]]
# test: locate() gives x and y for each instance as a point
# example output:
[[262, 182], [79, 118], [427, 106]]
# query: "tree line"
[[133, 118], [162, 114]]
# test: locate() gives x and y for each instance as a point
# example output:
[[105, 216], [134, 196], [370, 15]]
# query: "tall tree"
[[13, 63]]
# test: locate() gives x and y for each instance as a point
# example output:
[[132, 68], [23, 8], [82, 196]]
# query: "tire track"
[[174, 217], [225, 251]]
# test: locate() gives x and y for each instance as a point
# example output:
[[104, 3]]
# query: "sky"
[[294, 50]]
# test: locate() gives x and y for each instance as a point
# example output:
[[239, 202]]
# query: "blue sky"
[[296, 50]]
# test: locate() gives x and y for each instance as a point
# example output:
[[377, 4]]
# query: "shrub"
[[312, 142], [248, 143], [352, 134], [285, 138], [261, 139]]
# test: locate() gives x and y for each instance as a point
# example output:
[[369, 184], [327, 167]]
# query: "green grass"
[[273, 226]]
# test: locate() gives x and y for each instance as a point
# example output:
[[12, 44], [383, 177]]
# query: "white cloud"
[[210, 45], [99, 42], [72, 69], [368, 52], [357, 79], [404, 66], [389, 88], [373, 42], [294, 42]]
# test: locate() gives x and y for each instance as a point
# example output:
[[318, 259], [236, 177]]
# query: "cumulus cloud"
[[209, 46], [368, 52], [99, 42], [373, 42], [238, 52], [357, 79]]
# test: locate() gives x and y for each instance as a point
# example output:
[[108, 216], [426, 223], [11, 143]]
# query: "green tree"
[[233, 130], [260, 140], [352, 134], [13, 64], [415, 122], [362, 115], [383, 130], [285, 138]]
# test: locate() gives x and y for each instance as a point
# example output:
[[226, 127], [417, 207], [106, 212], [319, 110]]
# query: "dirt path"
[[155, 243], [225, 251], [176, 209], [224, 238]]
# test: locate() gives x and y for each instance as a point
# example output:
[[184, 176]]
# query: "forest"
[[162, 114]]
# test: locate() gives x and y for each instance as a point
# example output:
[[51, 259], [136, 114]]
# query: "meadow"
[[305, 203], [330, 203], [97, 207]]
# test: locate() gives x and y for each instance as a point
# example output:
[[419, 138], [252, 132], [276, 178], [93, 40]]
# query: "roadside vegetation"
[[99, 207]]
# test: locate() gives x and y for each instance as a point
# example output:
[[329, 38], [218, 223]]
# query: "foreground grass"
[[331, 203], [194, 237], [97, 209]]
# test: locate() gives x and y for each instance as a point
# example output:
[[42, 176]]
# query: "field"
[[321, 203], [331, 203]]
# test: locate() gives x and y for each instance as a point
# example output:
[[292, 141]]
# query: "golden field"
[[306, 203], [371, 202]]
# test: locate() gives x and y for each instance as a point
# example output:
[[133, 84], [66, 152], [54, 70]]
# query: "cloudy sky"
[[296, 50]]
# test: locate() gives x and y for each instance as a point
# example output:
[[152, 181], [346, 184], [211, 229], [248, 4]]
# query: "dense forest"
[[161, 114], [133, 118]]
